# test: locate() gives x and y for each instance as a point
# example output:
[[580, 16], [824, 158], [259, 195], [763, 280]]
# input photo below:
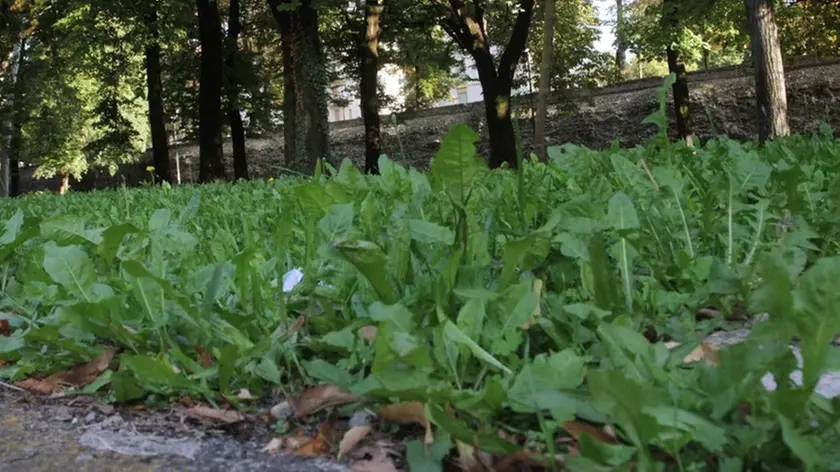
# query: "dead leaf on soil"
[[704, 352], [576, 428], [523, 460], [273, 446], [322, 443], [209, 413], [472, 459], [407, 413], [321, 397], [77, 377], [5, 327], [351, 439]]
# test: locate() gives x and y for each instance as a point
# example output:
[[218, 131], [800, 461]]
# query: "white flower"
[[291, 279]]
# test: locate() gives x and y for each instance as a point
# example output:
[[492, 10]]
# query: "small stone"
[[63, 414], [106, 409], [360, 418], [281, 411], [91, 417]]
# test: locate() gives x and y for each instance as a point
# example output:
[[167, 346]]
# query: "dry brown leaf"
[[321, 397], [472, 459], [576, 428], [368, 333], [523, 460], [205, 358], [209, 413], [5, 327], [704, 352], [351, 439], [538, 287], [321, 444], [45, 386], [78, 376], [407, 413]]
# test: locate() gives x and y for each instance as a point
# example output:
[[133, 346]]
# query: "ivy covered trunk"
[[680, 87], [211, 164], [10, 140], [305, 124], [368, 94], [468, 27], [620, 38], [237, 129], [545, 82], [157, 124], [770, 93]]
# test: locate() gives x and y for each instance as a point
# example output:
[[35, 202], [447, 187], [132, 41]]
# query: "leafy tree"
[[467, 23]]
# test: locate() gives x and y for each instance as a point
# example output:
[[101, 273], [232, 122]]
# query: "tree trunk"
[[770, 93], [620, 40], [157, 124], [467, 26], [63, 182], [545, 81], [369, 94], [680, 87], [211, 164], [305, 120], [237, 129], [11, 128]]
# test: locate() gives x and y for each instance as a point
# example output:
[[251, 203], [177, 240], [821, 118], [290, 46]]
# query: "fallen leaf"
[[351, 439], [43, 386], [576, 428], [704, 352], [321, 444], [523, 460], [5, 327], [368, 333], [245, 394], [472, 459], [77, 377], [407, 413], [187, 401], [273, 446], [208, 413], [321, 397], [205, 358]]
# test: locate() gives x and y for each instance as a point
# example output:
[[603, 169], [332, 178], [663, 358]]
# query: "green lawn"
[[515, 298]]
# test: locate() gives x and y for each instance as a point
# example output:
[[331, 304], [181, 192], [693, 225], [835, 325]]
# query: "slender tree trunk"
[[237, 129], [620, 40], [770, 93], [545, 80], [306, 127], [211, 164], [368, 94], [157, 124], [63, 182], [11, 128], [680, 88], [467, 26]]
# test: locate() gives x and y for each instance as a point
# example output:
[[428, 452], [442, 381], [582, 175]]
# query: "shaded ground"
[[84, 434]]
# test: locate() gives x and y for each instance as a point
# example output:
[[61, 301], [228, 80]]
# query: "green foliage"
[[480, 297]]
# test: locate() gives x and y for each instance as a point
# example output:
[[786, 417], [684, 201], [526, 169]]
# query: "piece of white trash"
[[290, 280]]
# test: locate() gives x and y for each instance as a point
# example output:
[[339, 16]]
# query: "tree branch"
[[518, 39]]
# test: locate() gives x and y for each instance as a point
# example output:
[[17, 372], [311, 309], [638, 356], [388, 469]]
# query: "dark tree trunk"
[[211, 164], [160, 146], [680, 88], [770, 93], [467, 26], [305, 120], [16, 138], [369, 94], [237, 129], [620, 40]]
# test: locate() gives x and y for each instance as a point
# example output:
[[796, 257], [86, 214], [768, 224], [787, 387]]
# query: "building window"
[[462, 95], [338, 114]]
